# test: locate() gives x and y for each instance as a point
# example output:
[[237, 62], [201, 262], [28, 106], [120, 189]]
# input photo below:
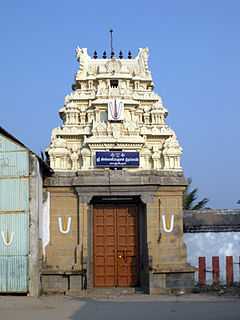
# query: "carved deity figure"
[[172, 152], [86, 157], [83, 58], [156, 156], [74, 155], [59, 154], [143, 59]]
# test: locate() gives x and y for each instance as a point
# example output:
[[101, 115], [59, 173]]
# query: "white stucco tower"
[[113, 107]]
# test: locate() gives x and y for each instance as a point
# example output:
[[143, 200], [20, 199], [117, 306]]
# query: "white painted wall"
[[208, 244], [45, 223], [35, 215]]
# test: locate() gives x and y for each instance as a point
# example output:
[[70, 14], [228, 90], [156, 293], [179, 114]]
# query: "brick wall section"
[[229, 270], [202, 271], [215, 270]]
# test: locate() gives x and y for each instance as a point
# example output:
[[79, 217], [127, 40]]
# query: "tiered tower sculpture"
[[113, 106]]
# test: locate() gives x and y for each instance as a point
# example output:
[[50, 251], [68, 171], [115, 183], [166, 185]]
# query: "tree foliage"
[[190, 198]]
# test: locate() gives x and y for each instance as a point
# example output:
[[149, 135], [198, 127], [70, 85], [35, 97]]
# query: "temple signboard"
[[117, 159]]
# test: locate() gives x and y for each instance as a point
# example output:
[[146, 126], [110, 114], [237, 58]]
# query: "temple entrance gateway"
[[115, 228], [115, 245]]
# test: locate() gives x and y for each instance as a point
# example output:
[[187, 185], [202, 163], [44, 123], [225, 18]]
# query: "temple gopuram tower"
[[114, 203]]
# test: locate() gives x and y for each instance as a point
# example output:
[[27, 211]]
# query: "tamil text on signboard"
[[117, 159]]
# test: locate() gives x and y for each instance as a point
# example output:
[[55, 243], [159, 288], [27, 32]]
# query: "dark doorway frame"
[[142, 235]]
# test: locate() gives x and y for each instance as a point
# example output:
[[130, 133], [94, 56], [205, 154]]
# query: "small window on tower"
[[113, 83]]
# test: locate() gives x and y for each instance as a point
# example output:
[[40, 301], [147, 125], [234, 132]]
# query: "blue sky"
[[194, 58]]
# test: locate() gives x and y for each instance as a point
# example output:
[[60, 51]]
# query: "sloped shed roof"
[[46, 170]]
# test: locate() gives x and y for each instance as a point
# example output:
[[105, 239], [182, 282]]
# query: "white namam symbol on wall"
[[115, 110], [168, 227], [7, 238], [64, 229]]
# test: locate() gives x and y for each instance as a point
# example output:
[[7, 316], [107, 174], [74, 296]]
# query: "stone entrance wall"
[[69, 252]]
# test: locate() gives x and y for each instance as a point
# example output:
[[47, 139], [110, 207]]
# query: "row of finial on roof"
[[104, 56]]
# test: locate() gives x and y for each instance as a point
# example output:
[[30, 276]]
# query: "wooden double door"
[[116, 257]]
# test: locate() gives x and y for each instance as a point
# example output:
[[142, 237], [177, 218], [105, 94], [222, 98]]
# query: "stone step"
[[107, 292]]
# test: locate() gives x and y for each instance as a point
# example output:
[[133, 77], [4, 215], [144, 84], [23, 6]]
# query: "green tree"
[[190, 198]]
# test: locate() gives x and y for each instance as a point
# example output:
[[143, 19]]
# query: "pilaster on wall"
[[166, 248], [150, 202], [35, 193], [84, 206]]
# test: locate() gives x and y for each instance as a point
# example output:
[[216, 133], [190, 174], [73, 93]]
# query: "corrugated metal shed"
[[14, 214], [21, 172], [14, 194], [43, 166]]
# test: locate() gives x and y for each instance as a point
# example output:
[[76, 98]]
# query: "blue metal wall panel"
[[14, 227], [7, 144], [14, 164], [17, 274], [14, 194], [13, 274], [14, 249], [3, 274], [14, 216]]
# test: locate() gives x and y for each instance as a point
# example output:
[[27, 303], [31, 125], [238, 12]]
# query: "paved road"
[[159, 310], [132, 307]]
